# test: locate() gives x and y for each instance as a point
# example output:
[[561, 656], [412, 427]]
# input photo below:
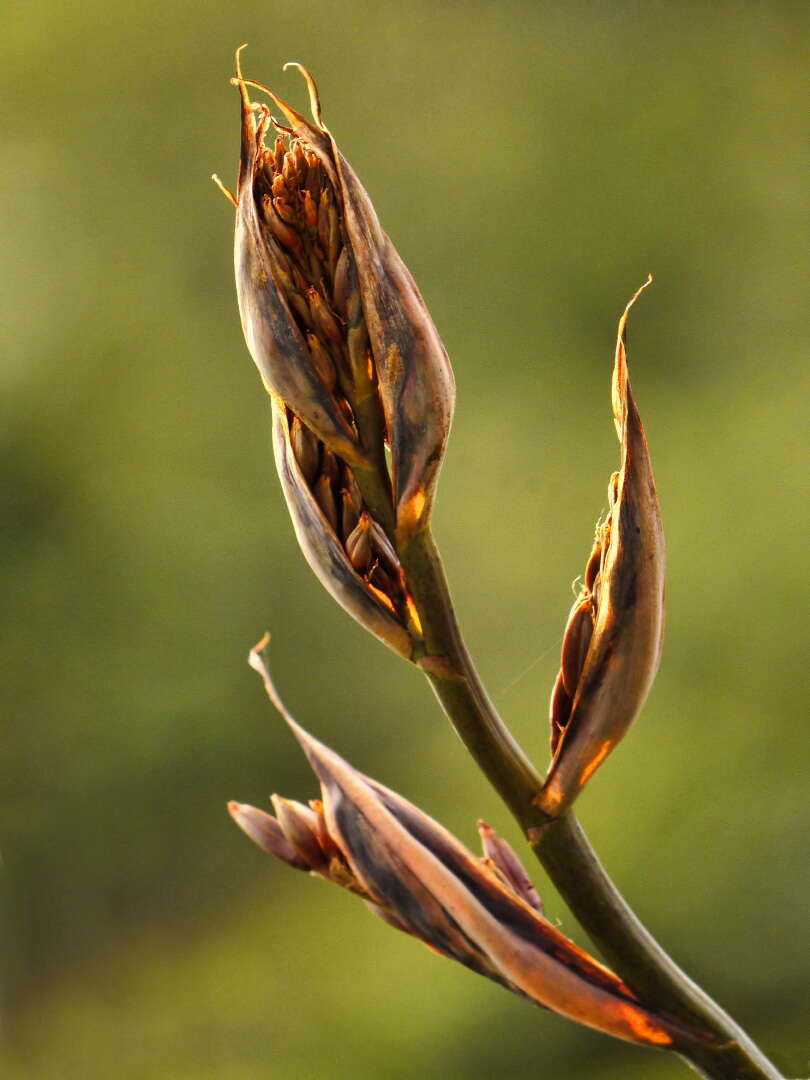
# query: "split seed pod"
[[420, 879], [312, 261], [324, 546], [612, 643]]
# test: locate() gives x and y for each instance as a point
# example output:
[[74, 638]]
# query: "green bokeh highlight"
[[532, 162]]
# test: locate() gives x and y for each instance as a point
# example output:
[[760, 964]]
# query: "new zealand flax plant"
[[362, 397]]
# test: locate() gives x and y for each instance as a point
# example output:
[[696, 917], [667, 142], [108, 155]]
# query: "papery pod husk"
[[416, 382], [418, 878], [625, 648], [323, 551], [429, 884], [274, 340]]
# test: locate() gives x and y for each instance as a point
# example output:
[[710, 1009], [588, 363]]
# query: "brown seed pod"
[[612, 643], [358, 545], [422, 880]]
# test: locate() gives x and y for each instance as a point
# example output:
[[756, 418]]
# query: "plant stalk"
[[561, 845]]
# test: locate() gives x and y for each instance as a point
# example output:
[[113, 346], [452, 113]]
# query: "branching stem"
[[562, 846]]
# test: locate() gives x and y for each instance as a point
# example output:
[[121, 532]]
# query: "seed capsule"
[[310, 212], [397, 350], [358, 545], [323, 317], [306, 449], [320, 544], [300, 826], [607, 668], [275, 310], [509, 866], [278, 186], [384, 582], [324, 203], [420, 879], [577, 638], [280, 151], [323, 362], [267, 833], [325, 498], [349, 513], [594, 565], [343, 284]]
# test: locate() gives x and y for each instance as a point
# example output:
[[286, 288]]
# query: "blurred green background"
[[532, 163]]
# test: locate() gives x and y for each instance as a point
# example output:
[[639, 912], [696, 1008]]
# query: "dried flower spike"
[[612, 642], [417, 877], [349, 354]]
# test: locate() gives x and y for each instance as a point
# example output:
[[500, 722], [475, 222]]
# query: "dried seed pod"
[[278, 185], [323, 317], [300, 826], [411, 373], [325, 498], [324, 204], [502, 856], [350, 484], [272, 332], [576, 641], [323, 550], [288, 169], [607, 669], [559, 711], [358, 545], [594, 564], [384, 583], [267, 833], [287, 212], [310, 211], [343, 284], [301, 163], [328, 846], [282, 232], [330, 467], [420, 879], [280, 150], [349, 514], [314, 179], [323, 362], [306, 449]]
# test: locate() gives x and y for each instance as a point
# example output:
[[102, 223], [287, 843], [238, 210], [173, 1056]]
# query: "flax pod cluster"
[[362, 398]]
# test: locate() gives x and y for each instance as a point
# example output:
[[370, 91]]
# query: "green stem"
[[627, 945], [561, 846]]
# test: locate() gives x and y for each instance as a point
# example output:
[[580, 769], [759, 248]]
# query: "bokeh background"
[[532, 161]]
